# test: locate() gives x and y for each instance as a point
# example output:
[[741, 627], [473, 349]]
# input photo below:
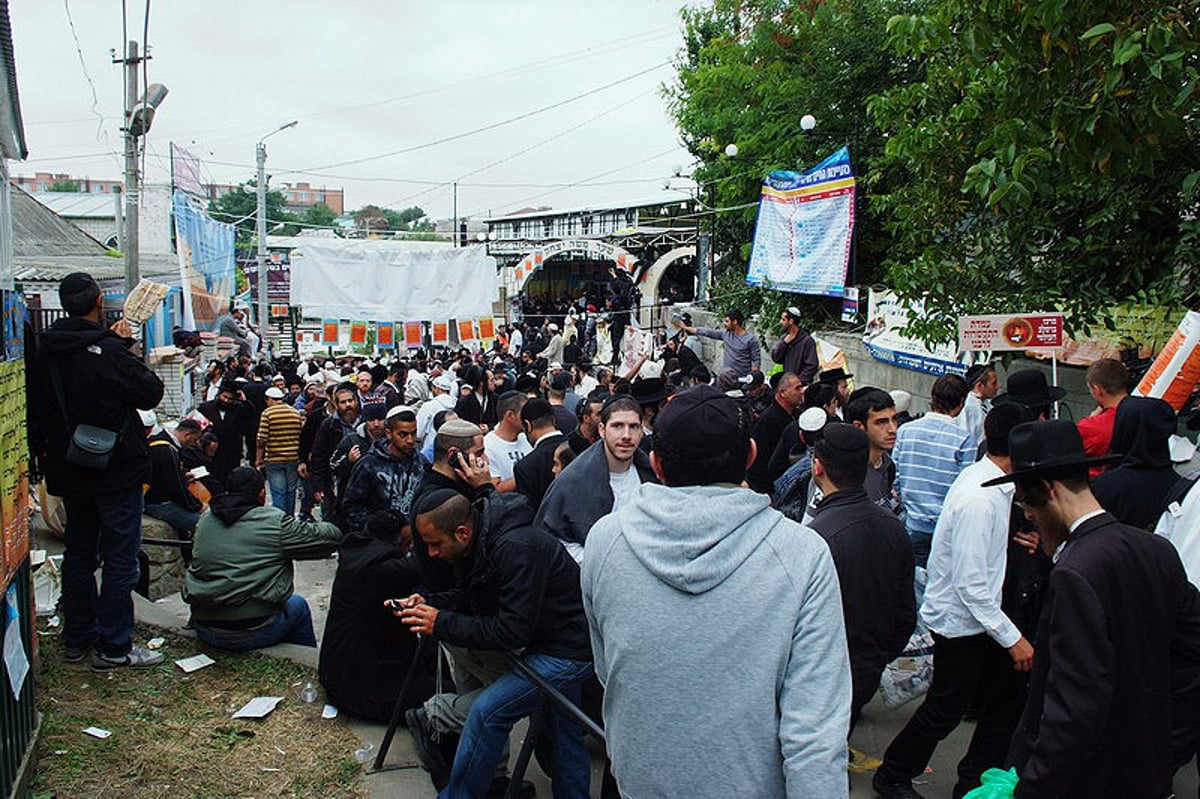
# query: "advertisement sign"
[[441, 332], [1010, 331], [329, 332], [1176, 371], [466, 330], [487, 328], [850, 304], [207, 269], [385, 335], [887, 316], [805, 225], [412, 334], [279, 276], [358, 332]]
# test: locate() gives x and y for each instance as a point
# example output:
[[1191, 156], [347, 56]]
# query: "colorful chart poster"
[[441, 332], [15, 504], [385, 335], [358, 332], [412, 334], [466, 330], [329, 332], [805, 226], [487, 328]]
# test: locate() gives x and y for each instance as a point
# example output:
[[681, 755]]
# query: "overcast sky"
[[365, 78]]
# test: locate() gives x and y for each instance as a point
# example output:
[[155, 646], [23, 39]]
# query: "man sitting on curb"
[[239, 583]]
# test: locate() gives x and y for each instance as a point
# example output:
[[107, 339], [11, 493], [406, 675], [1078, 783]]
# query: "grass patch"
[[173, 735]]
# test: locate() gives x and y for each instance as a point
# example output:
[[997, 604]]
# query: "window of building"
[[302, 197]]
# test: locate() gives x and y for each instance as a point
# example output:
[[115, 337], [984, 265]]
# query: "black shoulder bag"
[[90, 447]]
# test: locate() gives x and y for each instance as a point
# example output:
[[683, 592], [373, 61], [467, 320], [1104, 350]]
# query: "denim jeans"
[[175, 515], [292, 625], [922, 544], [284, 480], [499, 707], [103, 531]]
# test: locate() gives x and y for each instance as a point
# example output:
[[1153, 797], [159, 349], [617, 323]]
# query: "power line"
[[492, 126], [100, 132]]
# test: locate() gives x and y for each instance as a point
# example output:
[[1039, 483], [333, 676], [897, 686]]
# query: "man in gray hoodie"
[[716, 625]]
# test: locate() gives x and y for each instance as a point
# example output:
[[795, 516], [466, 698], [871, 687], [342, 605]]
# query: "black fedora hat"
[[1028, 387], [1048, 449], [650, 390], [833, 375]]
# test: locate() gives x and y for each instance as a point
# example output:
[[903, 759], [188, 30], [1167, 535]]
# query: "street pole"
[[262, 243], [455, 231], [131, 171]]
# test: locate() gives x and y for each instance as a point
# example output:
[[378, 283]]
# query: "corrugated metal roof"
[[79, 205], [13, 144]]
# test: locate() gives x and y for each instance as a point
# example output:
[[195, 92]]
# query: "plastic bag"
[[910, 675], [995, 784]]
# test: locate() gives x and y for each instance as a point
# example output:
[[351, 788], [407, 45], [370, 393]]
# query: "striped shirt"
[[930, 453], [279, 432]]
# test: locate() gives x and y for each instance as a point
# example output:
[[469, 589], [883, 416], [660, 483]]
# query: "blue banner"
[[207, 269], [805, 224]]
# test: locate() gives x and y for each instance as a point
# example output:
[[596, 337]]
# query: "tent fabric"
[[389, 280]]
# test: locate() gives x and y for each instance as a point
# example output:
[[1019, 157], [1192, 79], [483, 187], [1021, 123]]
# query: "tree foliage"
[[65, 185], [749, 71], [1049, 157], [375, 218], [318, 216], [240, 208]]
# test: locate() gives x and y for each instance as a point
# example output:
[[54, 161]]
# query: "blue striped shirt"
[[929, 454]]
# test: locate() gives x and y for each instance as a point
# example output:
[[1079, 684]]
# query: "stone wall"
[[166, 562]]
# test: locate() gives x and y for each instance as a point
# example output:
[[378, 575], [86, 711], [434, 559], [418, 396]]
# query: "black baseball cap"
[[700, 422]]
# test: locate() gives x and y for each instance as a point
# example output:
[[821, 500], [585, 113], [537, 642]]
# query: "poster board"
[[15, 505], [1010, 332]]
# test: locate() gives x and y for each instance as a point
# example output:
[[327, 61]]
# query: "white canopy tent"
[[392, 280]]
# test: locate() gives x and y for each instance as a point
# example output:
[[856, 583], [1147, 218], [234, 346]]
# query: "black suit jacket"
[[232, 433], [534, 473], [1119, 624]]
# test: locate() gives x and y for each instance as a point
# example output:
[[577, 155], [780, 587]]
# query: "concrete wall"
[[869, 372]]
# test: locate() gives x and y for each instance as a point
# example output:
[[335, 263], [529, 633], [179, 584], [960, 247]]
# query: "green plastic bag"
[[995, 784]]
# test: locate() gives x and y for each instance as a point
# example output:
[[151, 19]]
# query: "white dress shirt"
[[968, 558]]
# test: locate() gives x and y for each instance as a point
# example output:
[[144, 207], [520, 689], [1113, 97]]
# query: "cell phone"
[[457, 458], [393, 604]]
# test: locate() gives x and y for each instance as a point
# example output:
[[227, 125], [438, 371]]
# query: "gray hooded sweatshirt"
[[717, 632]]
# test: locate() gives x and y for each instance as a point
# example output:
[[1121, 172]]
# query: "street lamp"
[[261, 152]]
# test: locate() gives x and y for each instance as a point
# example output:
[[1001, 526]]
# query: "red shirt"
[[1096, 432]]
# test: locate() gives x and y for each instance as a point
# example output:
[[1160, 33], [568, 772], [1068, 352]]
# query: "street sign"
[[1010, 331]]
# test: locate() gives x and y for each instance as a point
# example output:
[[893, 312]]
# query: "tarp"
[[805, 221], [206, 263], [355, 278]]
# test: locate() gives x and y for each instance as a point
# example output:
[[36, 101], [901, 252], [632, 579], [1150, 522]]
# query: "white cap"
[[556, 365], [553, 327], [444, 382], [398, 410], [902, 399], [278, 377], [813, 420], [275, 393]]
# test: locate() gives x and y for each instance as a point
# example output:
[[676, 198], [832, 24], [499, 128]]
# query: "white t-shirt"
[[503, 455], [624, 486]]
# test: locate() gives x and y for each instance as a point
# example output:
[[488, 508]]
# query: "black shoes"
[[428, 751], [893, 790]]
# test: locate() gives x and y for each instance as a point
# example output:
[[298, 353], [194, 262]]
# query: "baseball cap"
[[700, 422], [275, 393], [375, 411]]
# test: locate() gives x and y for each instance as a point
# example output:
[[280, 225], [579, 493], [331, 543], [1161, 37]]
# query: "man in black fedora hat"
[[651, 393], [1028, 387], [1119, 629], [839, 378], [233, 424]]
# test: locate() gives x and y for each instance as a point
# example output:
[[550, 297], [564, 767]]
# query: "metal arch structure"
[[515, 277], [648, 284]]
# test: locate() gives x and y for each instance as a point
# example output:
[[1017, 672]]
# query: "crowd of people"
[[716, 568]]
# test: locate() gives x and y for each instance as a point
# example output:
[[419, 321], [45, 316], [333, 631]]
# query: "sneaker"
[[428, 752], [73, 654], [893, 790], [137, 657]]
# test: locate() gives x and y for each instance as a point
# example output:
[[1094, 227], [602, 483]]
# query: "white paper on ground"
[[194, 663], [16, 664], [329, 712], [258, 707], [97, 732]]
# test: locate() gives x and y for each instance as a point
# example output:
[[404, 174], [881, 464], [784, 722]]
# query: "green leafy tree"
[[240, 208], [371, 218], [65, 185], [1048, 158], [319, 215], [749, 71]]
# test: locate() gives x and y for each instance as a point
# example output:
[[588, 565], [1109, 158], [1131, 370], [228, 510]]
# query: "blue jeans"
[[284, 480], [501, 705], [103, 531], [292, 625], [175, 515], [922, 543]]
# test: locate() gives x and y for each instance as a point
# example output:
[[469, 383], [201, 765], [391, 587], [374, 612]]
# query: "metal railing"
[[18, 716]]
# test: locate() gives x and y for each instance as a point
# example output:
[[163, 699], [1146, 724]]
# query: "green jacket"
[[242, 557]]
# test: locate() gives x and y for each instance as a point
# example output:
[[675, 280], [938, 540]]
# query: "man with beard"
[[331, 432], [601, 480], [796, 351], [388, 476], [232, 423]]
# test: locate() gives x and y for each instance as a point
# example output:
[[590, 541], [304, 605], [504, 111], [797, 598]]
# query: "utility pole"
[[455, 228], [132, 275], [263, 313]]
